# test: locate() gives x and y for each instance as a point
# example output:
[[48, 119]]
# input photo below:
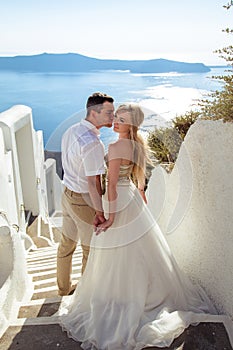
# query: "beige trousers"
[[77, 225]]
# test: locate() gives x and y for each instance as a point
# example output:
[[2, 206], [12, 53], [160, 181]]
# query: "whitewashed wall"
[[8, 203], [15, 283], [22, 188], [17, 130], [194, 207]]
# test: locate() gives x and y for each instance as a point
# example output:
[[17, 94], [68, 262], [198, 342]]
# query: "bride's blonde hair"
[[140, 150]]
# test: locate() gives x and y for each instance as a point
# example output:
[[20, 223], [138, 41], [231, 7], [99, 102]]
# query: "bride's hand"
[[103, 227], [99, 219]]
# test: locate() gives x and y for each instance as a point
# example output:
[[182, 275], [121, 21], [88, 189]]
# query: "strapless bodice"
[[125, 170]]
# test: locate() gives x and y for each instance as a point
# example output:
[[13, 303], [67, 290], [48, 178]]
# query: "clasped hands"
[[101, 224]]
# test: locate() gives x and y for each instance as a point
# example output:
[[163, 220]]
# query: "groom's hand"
[[98, 220], [104, 226]]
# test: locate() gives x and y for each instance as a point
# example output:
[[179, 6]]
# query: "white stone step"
[[35, 321], [46, 301]]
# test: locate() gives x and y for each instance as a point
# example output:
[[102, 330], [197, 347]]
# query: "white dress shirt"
[[82, 155]]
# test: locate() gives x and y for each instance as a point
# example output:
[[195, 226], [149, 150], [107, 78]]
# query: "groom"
[[83, 164]]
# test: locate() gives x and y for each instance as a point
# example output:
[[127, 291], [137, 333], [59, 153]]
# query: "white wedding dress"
[[132, 293]]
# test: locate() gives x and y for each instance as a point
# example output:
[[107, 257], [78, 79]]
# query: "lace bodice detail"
[[125, 170]]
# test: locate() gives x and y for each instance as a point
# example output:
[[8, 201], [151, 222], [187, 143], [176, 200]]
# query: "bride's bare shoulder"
[[120, 149], [114, 149]]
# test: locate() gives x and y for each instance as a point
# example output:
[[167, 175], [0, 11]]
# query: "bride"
[[132, 293]]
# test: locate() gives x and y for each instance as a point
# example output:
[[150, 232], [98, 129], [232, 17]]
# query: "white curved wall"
[[15, 283], [194, 207]]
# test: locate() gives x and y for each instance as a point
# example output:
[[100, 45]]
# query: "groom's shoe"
[[72, 290]]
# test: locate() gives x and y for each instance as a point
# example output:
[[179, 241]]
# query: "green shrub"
[[165, 142], [219, 105], [182, 123]]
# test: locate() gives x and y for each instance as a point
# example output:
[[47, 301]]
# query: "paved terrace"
[[35, 327]]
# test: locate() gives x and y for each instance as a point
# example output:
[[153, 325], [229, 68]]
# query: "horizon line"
[[118, 59]]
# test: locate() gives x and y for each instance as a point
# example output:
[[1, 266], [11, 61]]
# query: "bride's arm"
[[95, 191], [113, 175]]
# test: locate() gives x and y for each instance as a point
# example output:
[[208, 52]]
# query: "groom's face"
[[106, 114]]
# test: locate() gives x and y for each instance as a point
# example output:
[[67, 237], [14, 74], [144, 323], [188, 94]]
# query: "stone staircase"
[[35, 327]]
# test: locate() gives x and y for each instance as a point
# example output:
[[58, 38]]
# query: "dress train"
[[132, 293]]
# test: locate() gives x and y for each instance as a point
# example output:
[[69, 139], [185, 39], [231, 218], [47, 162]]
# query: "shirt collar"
[[90, 126]]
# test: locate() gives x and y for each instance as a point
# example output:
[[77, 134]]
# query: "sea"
[[58, 100]]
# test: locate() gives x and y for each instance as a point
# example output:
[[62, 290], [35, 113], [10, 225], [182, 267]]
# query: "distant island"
[[72, 62]]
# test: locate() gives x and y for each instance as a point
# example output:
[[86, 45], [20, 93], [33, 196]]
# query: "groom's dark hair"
[[96, 100]]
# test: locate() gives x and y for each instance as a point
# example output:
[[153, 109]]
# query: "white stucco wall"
[[17, 128], [194, 207], [15, 283]]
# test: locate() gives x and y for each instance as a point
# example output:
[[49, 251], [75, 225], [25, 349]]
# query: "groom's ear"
[[96, 110]]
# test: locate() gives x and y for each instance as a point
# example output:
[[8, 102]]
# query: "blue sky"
[[126, 29]]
